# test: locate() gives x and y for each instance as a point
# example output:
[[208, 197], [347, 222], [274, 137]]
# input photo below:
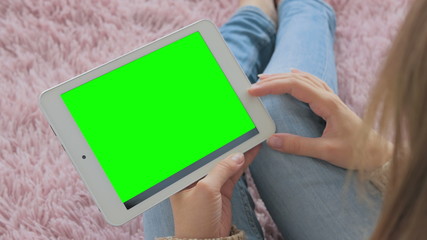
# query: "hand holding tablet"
[[146, 125]]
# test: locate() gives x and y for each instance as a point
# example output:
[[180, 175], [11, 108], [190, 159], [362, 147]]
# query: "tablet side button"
[[55, 135], [52, 130]]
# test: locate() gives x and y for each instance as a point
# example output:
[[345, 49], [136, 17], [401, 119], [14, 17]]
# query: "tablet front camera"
[[84, 156]]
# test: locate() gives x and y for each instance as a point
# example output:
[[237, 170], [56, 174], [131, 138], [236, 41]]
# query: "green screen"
[[155, 116]]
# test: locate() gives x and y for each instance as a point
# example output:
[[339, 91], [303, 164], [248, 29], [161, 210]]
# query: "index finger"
[[300, 90], [318, 99]]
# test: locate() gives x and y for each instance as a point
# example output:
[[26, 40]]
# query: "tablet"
[[146, 125]]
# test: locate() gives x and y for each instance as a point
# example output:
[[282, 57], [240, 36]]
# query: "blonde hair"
[[399, 106]]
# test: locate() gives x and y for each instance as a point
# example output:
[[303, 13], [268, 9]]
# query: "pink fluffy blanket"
[[45, 42]]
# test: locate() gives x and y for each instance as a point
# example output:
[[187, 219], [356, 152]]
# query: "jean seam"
[[253, 61], [325, 65], [247, 212], [327, 55]]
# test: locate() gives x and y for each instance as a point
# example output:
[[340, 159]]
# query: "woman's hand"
[[338, 141], [203, 210]]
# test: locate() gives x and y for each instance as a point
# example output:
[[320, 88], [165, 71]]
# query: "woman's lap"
[[306, 197]]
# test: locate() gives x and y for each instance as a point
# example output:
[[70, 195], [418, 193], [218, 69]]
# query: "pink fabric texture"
[[45, 42]]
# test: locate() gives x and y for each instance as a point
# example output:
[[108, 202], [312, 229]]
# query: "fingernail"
[[263, 75], [238, 158], [254, 86], [275, 142]]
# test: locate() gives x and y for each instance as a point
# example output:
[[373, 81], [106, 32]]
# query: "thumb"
[[224, 170], [297, 145]]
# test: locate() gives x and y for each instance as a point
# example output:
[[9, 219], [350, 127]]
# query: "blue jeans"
[[307, 198]]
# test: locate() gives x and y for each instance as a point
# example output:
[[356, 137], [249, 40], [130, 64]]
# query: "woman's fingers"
[[279, 86], [280, 76], [297, 145], [314, 79], [299, 75], [298, 89], [250, 155], [227, 170], [321, 102], [249, 158], [224, 171]]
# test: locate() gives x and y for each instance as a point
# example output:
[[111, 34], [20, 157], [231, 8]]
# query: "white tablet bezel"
[[89, 168]]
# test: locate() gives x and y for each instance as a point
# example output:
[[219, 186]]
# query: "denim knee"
[[316, 7]]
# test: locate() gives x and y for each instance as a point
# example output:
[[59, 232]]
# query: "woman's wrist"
[[380, 177]]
